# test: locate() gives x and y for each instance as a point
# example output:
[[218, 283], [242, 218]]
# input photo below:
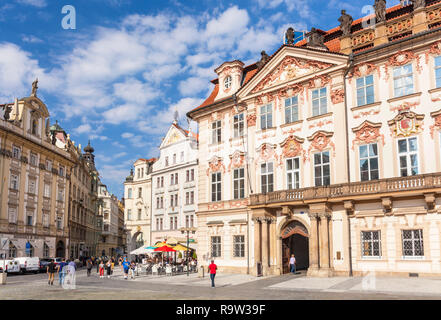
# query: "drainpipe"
[[351, 60]]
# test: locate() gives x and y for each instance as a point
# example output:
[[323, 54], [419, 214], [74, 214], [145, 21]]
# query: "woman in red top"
[[212, 269]]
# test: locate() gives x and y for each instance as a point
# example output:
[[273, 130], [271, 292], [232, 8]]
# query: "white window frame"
[[216, 186], [266, 116], [368, 158], [239, 125], [239, 183], [398, 78], [413, 240], [322, 101], [216, 246], [239, 246], [266, 170], [293, 175], [228, 81], [322, 165], [362, 90], [16, 152], [408, 154], [216, 132], [12, 215], [292, 109], [370, 242], [15, 181], [438, 69]]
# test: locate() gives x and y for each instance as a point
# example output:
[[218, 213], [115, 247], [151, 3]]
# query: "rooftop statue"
[[418, 3], [34, 88], [380, 10], [290, 36], [345, 23]]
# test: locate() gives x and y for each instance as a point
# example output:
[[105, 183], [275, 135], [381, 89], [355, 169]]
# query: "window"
[[319, 102], [291, 109], [139, 192], [176, 178], [158, 203], [438, 71], [162, 182], [370, 244], [45, 250], [227, 82], [158, 182], [12, 250], [29, 218], [216, 132], [408, 155], [171, 223], [266, 116], [216, 186], [192, 175], [31, 186], [47, 190], [172, 179], [161, 223], [174, 158], [138, 173], [187, 221], [365, 90], [368, 162], [16, 152], [239, 246], [129, 214], [293, 173], [14, 181], [403, 80], [60, 195], [29, 249], [216, 250], [142, 172], [48, 165], [162, 202], [33, 159], [61, 171], [413, 243], [45, 220], [139, 214], [238, 125], [191, 221], [34, 126], [176, 223], [267, 177], [187, 176], [322, 169], [239, 183], [59, 222], [182, 156], [12, 215]]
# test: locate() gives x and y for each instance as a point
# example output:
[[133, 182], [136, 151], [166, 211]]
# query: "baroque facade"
[[322, 150]]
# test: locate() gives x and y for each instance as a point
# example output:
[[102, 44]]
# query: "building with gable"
[[319, 150]]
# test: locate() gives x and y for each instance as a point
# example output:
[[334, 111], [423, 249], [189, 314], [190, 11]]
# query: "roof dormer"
[[230, 78]]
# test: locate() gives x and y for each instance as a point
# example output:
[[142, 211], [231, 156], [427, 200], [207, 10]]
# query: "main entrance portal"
[[295, 240]]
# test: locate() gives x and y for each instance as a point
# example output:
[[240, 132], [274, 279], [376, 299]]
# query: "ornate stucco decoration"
[[319, 141], [215, 164], [318, 81], [251, 119], [435, 50], [238, 109], [237, 160], [367, 132], [266, 152], [406, 123], [320, 124], [436, 115], [400, 59], [290, 68], [292, 147], [405, 106], [364, 69], [337, 96], [370, 112]]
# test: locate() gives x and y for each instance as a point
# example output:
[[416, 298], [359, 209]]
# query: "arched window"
[[34, 126], [227, 82], [12, 250]]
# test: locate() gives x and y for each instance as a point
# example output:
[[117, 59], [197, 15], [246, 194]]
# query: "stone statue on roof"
[[380, 10], [418, 3], [264, 58], [345, 23], [290, 36], [34, 88], [315, 39]]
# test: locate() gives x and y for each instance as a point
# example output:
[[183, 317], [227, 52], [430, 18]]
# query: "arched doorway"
[[60, 249], [295, 240]]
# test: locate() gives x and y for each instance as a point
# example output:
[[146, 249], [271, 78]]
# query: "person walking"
[[98, 261], [132, 270], [51, 269], [292, 264], [212, 270], [101, 267], [125, 266], [89, 265], [109, 268], [61, 270], [71, 271]]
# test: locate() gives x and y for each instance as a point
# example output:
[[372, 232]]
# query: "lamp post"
[[188, 230]]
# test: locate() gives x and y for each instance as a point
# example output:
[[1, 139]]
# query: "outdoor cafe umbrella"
[[164, 248], [180, 247]]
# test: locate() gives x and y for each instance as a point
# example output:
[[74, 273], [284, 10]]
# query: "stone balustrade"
[[400, 184]]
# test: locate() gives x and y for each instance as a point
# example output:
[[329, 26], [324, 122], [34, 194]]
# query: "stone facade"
[[330, 150]]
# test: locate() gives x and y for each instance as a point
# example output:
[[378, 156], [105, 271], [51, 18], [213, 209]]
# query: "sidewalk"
[[369, 284]]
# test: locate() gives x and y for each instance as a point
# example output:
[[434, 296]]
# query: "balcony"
[[417, 184]]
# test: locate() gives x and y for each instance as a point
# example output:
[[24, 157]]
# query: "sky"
[[118, 77]]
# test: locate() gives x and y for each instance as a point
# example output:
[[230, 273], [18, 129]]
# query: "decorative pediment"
[[237, 160], [290, 68], [367, 132], [37, 106], [215, 164], [436, 115], [320, 140], [292, 147], [173, 135], [266, 152], [435, 49], [406, 123], [364, 69]]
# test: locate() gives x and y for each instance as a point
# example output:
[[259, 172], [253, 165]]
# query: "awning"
[[18, 244], [215, 223]]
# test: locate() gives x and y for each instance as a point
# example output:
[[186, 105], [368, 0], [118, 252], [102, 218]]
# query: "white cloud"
[[135, 91], [31, 39], [35, 3], [83, 128]]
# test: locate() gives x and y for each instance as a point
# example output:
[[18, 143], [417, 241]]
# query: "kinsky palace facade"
[[329, 149]]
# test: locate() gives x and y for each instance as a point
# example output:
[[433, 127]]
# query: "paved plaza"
[[229, 287]]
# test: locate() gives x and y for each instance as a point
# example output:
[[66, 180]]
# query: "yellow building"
[[329, 149], [35, 168]]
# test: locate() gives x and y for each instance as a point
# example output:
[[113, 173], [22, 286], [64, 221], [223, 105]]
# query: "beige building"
[[138, 204], [319, 150], [35, 167], [122, 232]]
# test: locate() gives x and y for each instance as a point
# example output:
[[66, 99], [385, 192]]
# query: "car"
[[28, 264], [10, 266], [44, 263]]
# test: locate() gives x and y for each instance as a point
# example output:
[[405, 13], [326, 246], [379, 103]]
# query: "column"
[[257, 243], [273, 260], [313, 246], [324, 244], [265, 246]]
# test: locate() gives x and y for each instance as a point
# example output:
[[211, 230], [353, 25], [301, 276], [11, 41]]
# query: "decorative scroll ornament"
[[435, 49], [406, 123], [251, 119], [364, 69], [400, 59], [437, 124], [318, 81], [266, 152], [237, 160], [292, 147], [215, 165], [337, 96], [320, 140], [367, 132]]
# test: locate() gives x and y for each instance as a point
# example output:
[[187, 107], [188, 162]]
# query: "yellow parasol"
[[161, 244], [180, 247]]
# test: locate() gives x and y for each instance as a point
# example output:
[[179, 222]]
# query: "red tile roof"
[[148, 160]]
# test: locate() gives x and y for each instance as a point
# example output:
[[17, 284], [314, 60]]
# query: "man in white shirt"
[[292, 264]]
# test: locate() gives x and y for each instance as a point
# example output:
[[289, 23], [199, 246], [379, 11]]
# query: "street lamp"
[[188, 230]]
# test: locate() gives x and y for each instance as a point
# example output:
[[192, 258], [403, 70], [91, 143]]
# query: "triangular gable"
[[289, 64], [37, 105], [173, 135]]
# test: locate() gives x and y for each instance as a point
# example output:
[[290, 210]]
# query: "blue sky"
[[118, 77]]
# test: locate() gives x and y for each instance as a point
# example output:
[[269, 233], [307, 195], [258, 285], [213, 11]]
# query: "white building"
[[174, 186], [108, 213]]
